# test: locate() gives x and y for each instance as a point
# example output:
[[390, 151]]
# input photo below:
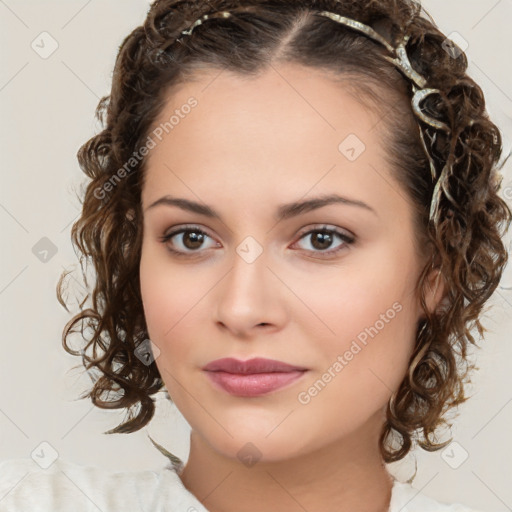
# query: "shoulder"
[[405, 498], [68, 486]]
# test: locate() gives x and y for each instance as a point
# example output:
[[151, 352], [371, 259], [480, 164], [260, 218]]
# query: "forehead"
[[307, 103], [284, 132]]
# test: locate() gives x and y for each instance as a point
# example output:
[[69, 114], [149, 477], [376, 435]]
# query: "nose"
[[250, 298]]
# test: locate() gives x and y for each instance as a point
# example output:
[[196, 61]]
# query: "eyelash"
[[348, 240]]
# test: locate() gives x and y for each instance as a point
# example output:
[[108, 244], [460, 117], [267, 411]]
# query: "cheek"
[[171, 301], [369, 320], [162, 310], [162, 302], [155, 301], [166, 296], [360, 367], [346, 303]]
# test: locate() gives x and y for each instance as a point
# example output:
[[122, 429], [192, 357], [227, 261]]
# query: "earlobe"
[[435, 288]]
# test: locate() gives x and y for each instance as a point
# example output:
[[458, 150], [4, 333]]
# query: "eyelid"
[[346, 236], [326, 227]]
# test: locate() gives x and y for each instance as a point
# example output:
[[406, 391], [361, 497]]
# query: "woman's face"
[[264, 280]]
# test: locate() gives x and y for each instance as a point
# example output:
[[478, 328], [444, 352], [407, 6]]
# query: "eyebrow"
[[284, 211]]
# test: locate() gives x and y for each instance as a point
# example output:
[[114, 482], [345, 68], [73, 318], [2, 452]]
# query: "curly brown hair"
[[465, 245]]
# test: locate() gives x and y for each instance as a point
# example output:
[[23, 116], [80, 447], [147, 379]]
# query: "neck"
[[345, 476]]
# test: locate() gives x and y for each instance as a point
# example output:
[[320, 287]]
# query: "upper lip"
[[256, 365]]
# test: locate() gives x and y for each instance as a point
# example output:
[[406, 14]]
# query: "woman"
[[294, 220]]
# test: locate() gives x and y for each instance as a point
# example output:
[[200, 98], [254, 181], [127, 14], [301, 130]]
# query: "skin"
[[249, 146]]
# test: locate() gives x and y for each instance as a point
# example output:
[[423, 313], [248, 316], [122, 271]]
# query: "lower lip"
[[254, 384]]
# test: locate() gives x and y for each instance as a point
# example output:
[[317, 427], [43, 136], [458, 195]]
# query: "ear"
[[434, 289]]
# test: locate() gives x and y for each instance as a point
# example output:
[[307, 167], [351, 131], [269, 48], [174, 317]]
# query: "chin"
[[253, 445]]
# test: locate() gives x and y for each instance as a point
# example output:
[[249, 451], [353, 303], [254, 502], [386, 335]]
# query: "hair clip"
[[401, 61], [220, 14]]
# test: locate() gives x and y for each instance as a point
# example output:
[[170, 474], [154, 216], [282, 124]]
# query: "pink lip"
[[256, 365], [253, 377]]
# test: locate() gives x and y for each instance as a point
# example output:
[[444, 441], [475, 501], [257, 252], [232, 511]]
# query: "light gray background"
[[47, 108]]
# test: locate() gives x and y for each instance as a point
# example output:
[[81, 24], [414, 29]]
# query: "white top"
[[65, 487]]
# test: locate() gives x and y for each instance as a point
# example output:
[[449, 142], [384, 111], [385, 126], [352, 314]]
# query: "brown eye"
[[188, 241], [185, 240], [192, 239], [323, 238]]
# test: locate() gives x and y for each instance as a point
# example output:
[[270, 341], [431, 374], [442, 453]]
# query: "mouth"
[[254, 377]]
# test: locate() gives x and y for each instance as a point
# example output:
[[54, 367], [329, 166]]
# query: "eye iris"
[[196, 238], [324, 237]]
